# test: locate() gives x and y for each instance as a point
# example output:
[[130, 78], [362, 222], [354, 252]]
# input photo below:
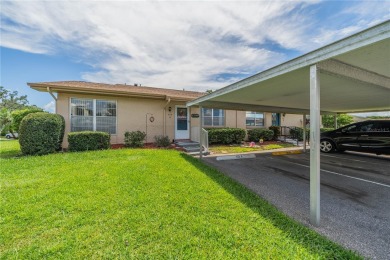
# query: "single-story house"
[[156, 111]]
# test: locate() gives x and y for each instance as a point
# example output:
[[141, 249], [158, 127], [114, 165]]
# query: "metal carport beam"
[[314, 146], [340, 69]]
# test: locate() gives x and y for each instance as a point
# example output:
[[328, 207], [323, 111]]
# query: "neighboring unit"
[[156, 111]]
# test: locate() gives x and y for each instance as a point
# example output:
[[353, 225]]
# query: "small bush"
[[254, 135], [134, 139], [162, 141], [226, 135], [297, 133], [40, 133], [18, 115], [88, 141], [276, 130]]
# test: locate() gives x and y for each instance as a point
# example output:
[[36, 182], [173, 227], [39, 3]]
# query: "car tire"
[[8, 137], [327, 146]]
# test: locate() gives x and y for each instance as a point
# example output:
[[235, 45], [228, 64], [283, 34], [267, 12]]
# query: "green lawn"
[[140, 204], [9, 148], [243, 149]]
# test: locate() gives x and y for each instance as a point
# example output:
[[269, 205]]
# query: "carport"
[[350, 75]]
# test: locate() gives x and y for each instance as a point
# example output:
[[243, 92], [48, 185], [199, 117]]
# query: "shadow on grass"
[[307, 238], [8, 151]]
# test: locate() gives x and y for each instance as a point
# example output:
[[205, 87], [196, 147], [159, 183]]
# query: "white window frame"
[[94, 112], [255, 125], [212, 117]]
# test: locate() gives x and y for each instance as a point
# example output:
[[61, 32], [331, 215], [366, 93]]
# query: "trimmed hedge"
[[254, 135], [134, 139], [88, 141], [276, 130], [226, 135], [40, 133]]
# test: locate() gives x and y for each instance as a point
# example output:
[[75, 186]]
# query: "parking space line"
[[344, 158], [336, 173]]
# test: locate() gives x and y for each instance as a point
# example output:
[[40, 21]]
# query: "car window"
[[380, 127], [366, 127], [351, 128]]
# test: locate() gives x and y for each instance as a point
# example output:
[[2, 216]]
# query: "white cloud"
[[50, 107], [169, 44]]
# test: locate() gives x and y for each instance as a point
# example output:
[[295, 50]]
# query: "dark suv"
[[371, 136]]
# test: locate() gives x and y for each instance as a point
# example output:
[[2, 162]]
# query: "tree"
[[11, 100], [18, 115], [342, 120], [5, 119]]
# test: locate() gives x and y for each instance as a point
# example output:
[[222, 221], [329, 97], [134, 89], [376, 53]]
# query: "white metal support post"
[[200, 133], [335, 121], [314, 146], [304, 132]]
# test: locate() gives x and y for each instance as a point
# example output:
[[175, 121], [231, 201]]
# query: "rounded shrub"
[[88, 141], [254, 135], [276, 130], [162, 141], [134, 139], [40, 133]]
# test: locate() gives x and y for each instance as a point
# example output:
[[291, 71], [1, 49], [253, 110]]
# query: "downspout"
[[51, 93], [236, 119], [165, 114], [55, 98]]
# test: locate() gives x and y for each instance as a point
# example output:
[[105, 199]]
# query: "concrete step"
[[191, 148], [187, 144]]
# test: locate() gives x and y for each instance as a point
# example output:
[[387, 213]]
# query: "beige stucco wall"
[[291, 120], [131, 115]]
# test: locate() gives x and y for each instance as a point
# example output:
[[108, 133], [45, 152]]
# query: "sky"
[[191, 45]]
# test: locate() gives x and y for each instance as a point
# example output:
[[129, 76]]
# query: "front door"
[[181, 123]]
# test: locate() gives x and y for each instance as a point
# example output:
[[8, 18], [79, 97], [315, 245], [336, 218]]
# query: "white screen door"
[[181, 123]]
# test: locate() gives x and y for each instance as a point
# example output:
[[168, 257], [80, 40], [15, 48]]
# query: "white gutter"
[[51, 93]]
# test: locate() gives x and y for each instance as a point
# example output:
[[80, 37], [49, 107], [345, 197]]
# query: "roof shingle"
[[111, 89]]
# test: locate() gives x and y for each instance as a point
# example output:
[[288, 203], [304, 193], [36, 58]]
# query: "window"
[[93, 115], [213, 117], [254, 118]]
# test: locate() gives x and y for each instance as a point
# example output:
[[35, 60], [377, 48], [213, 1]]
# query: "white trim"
[[177, 136]]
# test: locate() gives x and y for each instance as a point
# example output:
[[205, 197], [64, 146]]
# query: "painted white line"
[[235, 157], [336, 173], [355, 160]]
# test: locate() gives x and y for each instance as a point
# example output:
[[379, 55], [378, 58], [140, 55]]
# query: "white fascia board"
[[369, 36]]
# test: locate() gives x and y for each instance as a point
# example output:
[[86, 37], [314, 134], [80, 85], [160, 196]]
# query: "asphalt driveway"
[[355, 194]]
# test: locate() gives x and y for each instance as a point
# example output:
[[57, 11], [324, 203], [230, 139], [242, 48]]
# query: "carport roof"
[[354, 77]]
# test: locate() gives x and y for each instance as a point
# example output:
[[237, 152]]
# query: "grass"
[[242, 149], [141, 204], [9, 148]]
